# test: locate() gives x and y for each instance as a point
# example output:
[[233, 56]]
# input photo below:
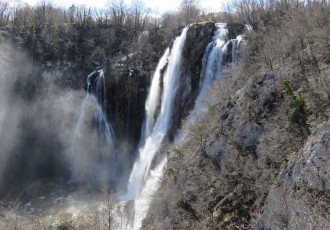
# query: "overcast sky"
[[157, 6]]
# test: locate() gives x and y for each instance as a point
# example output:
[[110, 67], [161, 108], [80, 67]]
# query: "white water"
[[214, 63], [153, 99], [142, 184], [153, 141], [95, 94], [143, 37], [142, 202], [248, 28], [235, 45]]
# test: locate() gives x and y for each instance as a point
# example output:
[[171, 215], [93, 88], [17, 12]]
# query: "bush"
[[299, 113]]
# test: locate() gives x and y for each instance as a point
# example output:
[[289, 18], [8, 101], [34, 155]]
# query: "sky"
[[157, 6]]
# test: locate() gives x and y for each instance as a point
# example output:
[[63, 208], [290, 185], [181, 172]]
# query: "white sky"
[[157, 6]]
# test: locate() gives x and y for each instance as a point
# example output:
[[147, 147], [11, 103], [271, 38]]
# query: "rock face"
[[127, 82], [300, 198], [250, 167], [126, 98], [235, 29]]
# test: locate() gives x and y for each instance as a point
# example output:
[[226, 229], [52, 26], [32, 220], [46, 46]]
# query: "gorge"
[[92, 154], [217, 123]]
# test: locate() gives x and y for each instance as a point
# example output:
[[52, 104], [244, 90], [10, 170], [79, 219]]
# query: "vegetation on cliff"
[[258, 159]]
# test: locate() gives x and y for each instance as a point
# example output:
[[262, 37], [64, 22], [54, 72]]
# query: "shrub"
[[298, 115]]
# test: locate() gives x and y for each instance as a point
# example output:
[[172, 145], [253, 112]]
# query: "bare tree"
[[190, 11], [139, 13], [117, 12], [4, 13]]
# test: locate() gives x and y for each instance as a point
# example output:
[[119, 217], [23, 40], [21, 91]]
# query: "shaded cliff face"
[[128, 80], [126, 98]]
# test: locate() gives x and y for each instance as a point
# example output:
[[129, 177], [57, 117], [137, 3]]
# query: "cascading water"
[[214, 58], [98, 163], [143, 37], [153, 99], [159, 129], [91, 109], [155, 131], [235, 44]]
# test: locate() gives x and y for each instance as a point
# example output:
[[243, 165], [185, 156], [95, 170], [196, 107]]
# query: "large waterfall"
[[214, 58], [156, 131]]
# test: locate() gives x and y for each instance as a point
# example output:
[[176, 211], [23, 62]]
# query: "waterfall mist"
[[38, 120]]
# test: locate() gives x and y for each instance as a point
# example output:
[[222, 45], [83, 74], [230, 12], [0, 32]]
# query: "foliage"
[[288, 87], [299, 114], [179, 152]]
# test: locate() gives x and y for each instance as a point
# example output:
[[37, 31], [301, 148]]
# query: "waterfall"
[[97, 88], [84, 155], [234, 49], [143, 183], [153, 99], [143, 37], [95, 94], [159, 129], [214, 58], [155, 130]]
